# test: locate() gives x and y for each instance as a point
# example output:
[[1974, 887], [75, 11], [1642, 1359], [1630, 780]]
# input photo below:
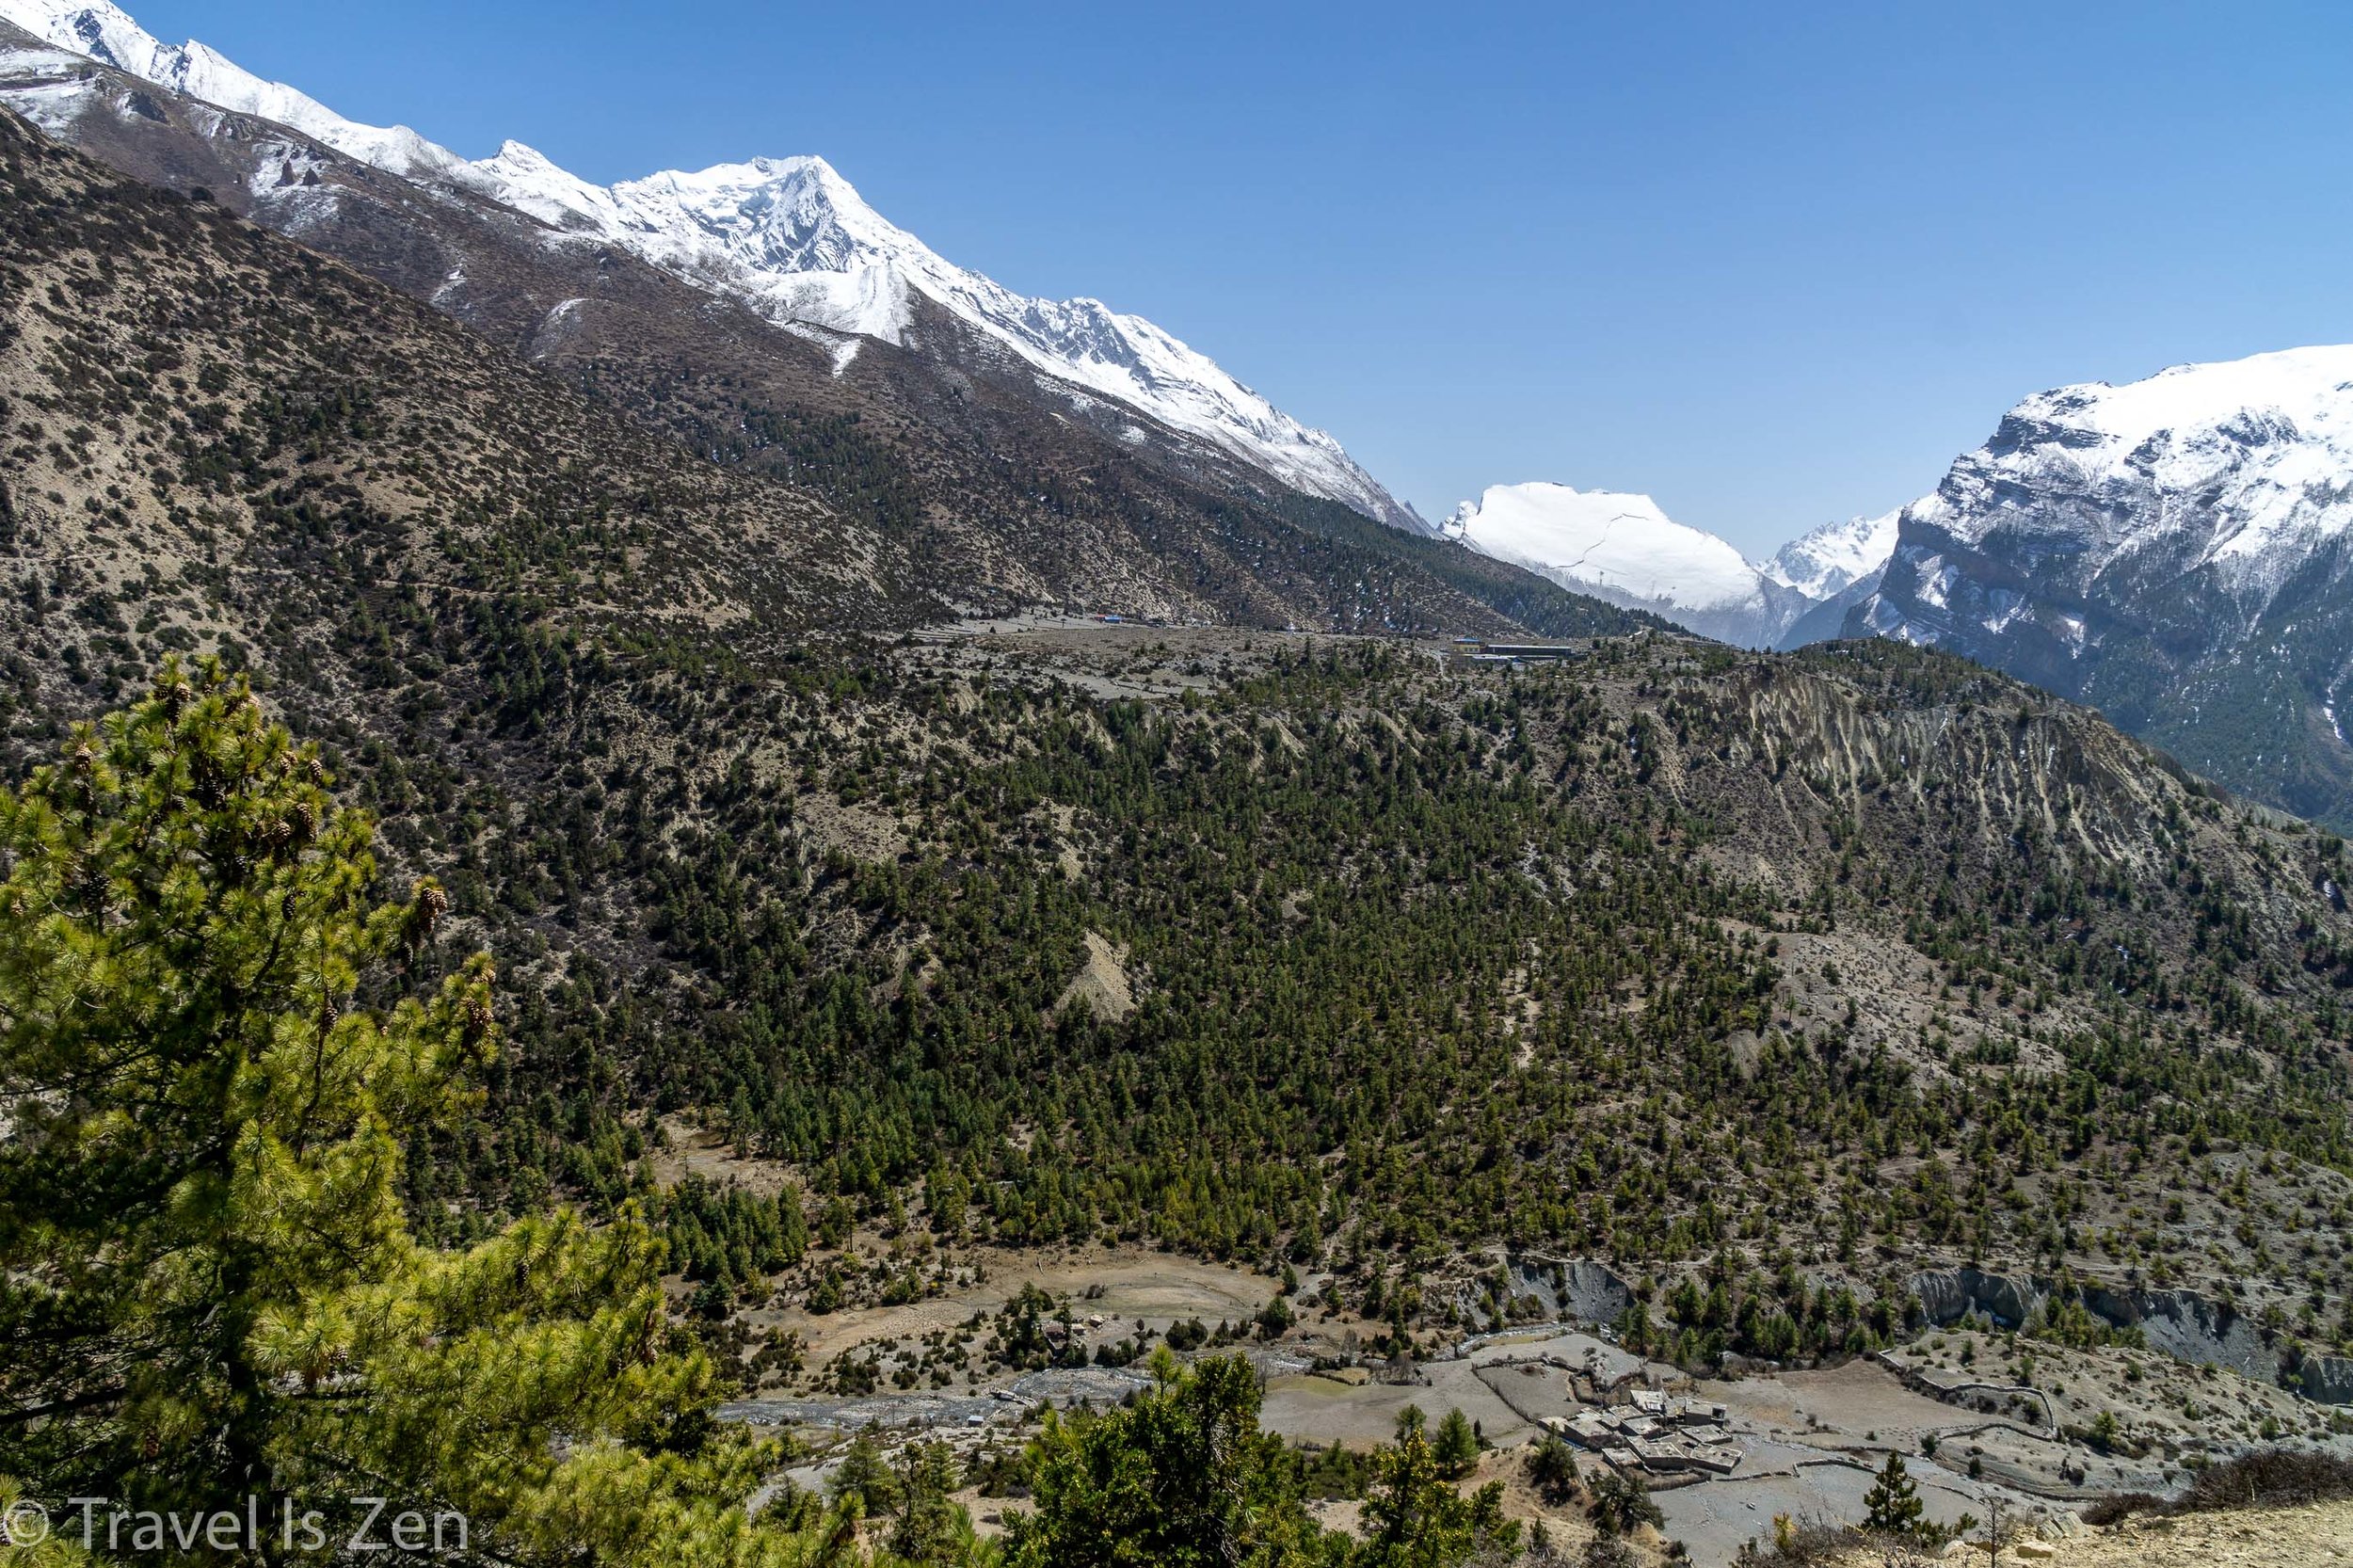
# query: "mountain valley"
[[970, 878]]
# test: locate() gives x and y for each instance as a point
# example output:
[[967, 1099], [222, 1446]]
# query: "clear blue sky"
[[1773, 262]]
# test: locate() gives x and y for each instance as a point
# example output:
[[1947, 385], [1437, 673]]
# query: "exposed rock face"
[[2328, 1379], [2183, 1324], [1573, 1290], [2174, 551], [1593, 1293], [2189, 1328], [1947, 1297]]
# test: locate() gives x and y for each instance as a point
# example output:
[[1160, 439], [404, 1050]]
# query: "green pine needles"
[[215, 1038]]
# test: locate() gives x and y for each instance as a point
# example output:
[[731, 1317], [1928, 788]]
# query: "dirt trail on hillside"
[[2319, 1535], [2271, 1537]]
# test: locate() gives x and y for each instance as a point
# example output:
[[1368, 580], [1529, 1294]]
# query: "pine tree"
[[1893, 1505], [1456, 1447], [930, 1527], [863, 1477], [1181, 1479], [1552, 1469], [214, 1042], [1415, 1517]]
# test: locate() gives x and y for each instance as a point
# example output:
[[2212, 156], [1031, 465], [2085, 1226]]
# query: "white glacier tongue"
[[788, 236]]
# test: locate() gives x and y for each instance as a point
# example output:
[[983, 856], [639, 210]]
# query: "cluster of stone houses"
[[1656, 1434]]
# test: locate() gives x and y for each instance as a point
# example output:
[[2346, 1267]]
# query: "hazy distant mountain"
[[1624, 549]]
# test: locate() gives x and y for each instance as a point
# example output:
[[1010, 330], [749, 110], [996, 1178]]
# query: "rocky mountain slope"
[[1000, 499], [1792, 974], [789, 237], [2173, 551]]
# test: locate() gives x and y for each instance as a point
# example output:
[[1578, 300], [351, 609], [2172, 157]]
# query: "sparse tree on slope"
[[1417, 1519], [1456, 1447], [1892, 1504]]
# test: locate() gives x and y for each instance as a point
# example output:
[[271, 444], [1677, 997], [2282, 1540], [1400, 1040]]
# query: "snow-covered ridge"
[[2266, 442], [2243, 467], [106, 33], [1623, 547], [795, 238], [788, 236], [2176, 550], [2232, 474]]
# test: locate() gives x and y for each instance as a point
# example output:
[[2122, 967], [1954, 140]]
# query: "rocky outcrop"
[[1565, 1289], [1590, 1293], [2326, 1378], [2182, 1323], [1953, 1294], [2189, 1328]]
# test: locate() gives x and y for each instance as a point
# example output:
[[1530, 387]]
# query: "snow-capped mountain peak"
[[109, 35], [2242, 466], [795, 238], [1623, 547], [2270, 439], [2177, 550], [1605, 539], [1827, 560], [788, 236]]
